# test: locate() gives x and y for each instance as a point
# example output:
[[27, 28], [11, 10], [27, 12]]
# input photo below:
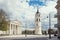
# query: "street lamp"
[[49, 26], [26, 29]]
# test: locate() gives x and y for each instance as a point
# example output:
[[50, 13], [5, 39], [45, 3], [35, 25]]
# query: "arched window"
[[39, 15], [37, 19], [37, 24]]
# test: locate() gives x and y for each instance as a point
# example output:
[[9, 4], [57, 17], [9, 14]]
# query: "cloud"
[[21, 10]]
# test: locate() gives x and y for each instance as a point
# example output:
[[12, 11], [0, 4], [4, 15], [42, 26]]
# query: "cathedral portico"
[[14, 28]]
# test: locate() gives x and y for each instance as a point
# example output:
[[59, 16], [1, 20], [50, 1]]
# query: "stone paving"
[[55, 38], [22, 37], [36, 38]]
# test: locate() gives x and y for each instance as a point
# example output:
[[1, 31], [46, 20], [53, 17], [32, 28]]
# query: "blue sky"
[[24, 11]]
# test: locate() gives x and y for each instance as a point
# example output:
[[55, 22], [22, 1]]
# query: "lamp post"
[[49, 26], [26, 29]]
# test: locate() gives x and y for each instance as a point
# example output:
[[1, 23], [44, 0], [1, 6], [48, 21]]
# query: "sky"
[[25, 10]]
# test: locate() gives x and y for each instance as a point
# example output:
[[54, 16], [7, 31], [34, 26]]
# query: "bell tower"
[[37, 23]]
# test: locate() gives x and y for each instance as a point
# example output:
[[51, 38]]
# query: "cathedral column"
[[58, 17], [16, 30], [10, 29]]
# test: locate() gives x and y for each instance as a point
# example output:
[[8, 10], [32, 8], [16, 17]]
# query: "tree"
[[50, 31], [3, 20]]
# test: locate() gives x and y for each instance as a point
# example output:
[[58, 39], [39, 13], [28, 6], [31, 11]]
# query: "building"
[[58, 16], [37, 23], [29, 31], [14, 28]]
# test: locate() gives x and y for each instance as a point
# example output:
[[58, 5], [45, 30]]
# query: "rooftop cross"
[[37, 9]]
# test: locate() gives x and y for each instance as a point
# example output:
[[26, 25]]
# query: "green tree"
[[3, 20]]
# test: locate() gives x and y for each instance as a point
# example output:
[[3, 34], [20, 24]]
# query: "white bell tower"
[[37, 23]]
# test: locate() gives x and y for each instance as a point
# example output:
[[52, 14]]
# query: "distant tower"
[[37, 23]]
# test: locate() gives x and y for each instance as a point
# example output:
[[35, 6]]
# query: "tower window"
[[39, 15], [37, 24], [37, 20]]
